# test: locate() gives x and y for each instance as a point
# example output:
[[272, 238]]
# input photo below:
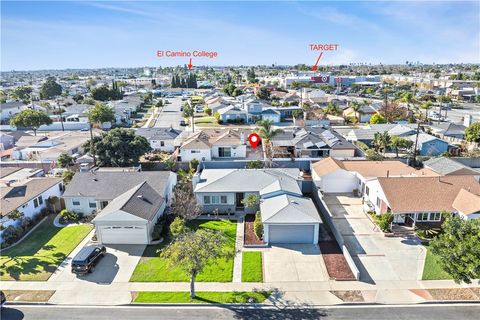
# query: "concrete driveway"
[[377, 257], [294, 263], [117, 265]]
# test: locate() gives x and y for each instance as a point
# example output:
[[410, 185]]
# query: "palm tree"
[[332, 109], [297, 114], [407, 98], [385, 140], [426, 105], [267, 132], [355, 106]]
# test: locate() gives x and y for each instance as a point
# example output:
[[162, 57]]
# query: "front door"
[[238, 200]]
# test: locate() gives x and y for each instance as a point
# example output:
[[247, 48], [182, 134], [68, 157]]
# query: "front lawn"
[[39, 255], [28, 295], [152, 268], [432, 269], [252, 266], [201, 297]]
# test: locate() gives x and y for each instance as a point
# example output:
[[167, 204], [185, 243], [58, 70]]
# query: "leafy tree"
[[207, 111], [184, 203], [458, 247], [52, 202], [332, 109], [78, 98], [104, 93], [67, 176], [355, 107], [263, 93], [193, 251], [100, 113], [30, 119], [400, 143], [193, 164], [22, 93], [231, 90], [216, 115], [373, 155], [251, 201], [251, 77], [118, 147], [50, 89], [472, 133], [377, 118], [254, 164], [64, 160], [178, 227], [159, 103]]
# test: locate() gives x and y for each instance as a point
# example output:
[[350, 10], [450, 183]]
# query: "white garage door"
[[124, 235], [291, 234]]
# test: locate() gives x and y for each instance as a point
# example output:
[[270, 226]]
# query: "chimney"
[[242, 137], [195, 179]]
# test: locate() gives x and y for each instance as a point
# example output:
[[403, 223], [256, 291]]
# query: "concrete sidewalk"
[[315, 293]]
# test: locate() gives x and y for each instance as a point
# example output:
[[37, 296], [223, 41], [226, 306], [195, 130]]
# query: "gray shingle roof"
[[141, 201], [446, 166], [289, 209], [109, 185], [158, 133]]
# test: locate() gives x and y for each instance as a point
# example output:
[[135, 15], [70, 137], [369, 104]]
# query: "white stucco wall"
[[202, 155], [236, 151], [342, 153], [339, 181], [157, 145]]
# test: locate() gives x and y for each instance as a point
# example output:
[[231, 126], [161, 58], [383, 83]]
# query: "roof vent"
[[140, 196], [95, 179]]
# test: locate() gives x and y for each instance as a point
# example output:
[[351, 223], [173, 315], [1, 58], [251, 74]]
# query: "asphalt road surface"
[[171, 114], [425, 312]]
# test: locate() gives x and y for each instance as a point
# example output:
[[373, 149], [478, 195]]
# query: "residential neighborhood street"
[[170, 115], [292, 312]]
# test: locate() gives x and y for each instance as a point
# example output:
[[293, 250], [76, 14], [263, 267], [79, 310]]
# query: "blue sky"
[[69, 34]]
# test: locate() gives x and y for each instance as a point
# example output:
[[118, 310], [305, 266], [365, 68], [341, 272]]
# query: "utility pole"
[[416, 145], [60, 113]]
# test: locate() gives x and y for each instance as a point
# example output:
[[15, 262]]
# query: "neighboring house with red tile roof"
[[337, 176], [422, 199]]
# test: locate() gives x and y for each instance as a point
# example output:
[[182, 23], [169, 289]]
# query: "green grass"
[[152, 268], [201, 297], [210, 120], [39, 255], [252, 266], [432, 269]]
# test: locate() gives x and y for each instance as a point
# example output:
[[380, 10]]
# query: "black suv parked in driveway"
[[85, 261]]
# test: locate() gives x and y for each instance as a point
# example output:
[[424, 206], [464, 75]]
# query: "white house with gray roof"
[[131, 217], [287, 216], [90, 192]]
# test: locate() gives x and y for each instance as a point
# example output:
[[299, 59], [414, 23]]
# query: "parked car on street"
[[182, 123], [85, 261]]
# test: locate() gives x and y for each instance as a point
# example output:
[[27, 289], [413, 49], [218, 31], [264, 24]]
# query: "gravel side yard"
[[337, 266], [249, 237]]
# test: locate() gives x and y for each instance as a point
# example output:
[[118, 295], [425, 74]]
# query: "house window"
[[92, 204], [75, 202], [224, 152], [422, 216], [40, 200], [435, 216], [215, 199], [379, 201], [35, 202], [61, 187], [206, 199], [162, 143], [194, 151], [367, 190], [223, 199]]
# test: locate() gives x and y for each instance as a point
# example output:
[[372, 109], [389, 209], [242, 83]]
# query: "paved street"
[[427, 312], [171, 114], [456, 115]]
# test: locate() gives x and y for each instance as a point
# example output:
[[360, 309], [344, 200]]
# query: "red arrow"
[[314, 68], [190, 65]]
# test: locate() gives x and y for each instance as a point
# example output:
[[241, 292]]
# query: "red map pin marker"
[[254, 140]]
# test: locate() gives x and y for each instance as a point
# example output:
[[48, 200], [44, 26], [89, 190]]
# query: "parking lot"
[[376, 256]]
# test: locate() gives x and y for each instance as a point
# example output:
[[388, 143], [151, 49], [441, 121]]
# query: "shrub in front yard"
[[258, 226], [383, 221], [69, 216], [177, 227], [157, 232]]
